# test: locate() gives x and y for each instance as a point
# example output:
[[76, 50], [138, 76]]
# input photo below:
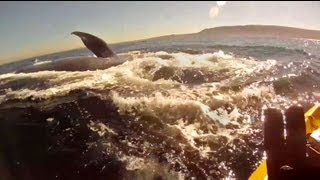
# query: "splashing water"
[[169, 114]]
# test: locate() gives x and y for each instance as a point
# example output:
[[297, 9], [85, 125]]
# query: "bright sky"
[[32, 28]]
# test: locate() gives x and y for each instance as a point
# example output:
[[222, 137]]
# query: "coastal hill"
[[245, 31]]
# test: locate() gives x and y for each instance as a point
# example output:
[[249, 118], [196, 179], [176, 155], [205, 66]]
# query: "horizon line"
[[148, 38]]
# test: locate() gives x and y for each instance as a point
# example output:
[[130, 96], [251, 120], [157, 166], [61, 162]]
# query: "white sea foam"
[[41, 62], [186, 109]]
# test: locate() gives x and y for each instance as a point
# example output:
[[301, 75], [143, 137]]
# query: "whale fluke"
[[95, 44]]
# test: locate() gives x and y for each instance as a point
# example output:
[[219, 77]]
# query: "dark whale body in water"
[[106, 58], [74, 64]]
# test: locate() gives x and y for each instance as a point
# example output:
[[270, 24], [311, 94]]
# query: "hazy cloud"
[[214, 11], [221, 3]]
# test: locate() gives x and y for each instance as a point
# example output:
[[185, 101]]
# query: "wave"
[[182, 114]]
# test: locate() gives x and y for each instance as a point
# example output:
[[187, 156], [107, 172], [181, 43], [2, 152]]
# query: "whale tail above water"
[[105, 58], [95, 44]]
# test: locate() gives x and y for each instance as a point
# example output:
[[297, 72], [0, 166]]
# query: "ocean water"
[[175, 110]]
